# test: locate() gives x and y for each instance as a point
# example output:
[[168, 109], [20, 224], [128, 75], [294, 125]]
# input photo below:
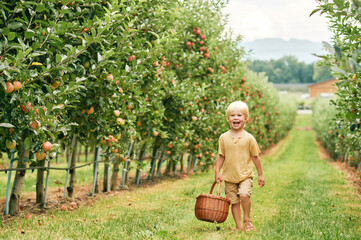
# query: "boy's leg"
[[246, 205], [244, 194], [231, 190], [236, 212]]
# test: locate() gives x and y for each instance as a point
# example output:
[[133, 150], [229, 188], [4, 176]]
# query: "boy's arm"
[[257, 162], [219, 163]]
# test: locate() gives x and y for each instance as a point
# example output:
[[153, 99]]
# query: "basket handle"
[[219, 188]]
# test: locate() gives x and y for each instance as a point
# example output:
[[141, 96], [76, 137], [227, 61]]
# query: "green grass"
[[304, 198]]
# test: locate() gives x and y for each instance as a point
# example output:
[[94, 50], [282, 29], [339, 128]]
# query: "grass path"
[[304, 198]]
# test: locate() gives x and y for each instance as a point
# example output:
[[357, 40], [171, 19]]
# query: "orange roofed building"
[[325, 87]]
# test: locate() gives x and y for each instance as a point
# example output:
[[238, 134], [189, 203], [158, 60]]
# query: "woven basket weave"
[[212, 208]]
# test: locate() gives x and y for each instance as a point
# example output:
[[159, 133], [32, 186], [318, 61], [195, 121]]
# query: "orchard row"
[[341, 126], [111, 73]]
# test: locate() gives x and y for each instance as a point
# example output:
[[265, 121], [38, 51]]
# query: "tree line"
[[289, 70]]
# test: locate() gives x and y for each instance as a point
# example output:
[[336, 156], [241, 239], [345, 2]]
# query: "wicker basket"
[[212, 208]]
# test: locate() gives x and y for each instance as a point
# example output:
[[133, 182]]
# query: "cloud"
[[277, 18], [250, 21]]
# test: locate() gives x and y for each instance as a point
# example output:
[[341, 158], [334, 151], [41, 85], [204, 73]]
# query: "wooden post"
[[95, 171], [9, 181], [46, 184], [106, 173], [140, 163], [124, 173]]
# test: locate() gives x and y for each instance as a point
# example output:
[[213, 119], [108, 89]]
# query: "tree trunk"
[[14, 204], [114, 178], [168, 166], [72, 170], [160, 161], [86, 153], [182, 163], [40, 183], [189, 162], [128, 166], [78, 152], [153, 162], [140, 162]]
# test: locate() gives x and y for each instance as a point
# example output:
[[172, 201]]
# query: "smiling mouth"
[[236, 123]]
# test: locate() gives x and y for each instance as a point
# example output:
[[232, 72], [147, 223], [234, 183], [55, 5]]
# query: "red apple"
[[90, 110], [116, 113], [110, 76], [47, 146], [24, 108], [120, 121], [9, 87], [130, 58], [35, 125], [40, 156], [17, 85], [206, 55]]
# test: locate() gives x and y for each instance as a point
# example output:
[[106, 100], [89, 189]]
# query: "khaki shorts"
[[233, 190]]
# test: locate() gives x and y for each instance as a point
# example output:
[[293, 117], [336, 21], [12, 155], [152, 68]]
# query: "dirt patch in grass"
[[352, 176], [55, 200], [303, 128]]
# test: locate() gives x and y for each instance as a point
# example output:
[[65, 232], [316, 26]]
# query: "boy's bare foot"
[[248, 226], [235, 229]]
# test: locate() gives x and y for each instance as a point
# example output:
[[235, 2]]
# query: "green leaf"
[[338, 52], [329, 47], [36, 53], [27, 143], [339, 3], [51, 135], [315, 11], [15, 25], [99, 57], [40, 7], [11, 36], [29, 34], [58, 58], [7, 125], [20, 55], [353, 127]]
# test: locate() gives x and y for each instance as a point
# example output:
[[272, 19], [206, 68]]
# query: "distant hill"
[[275, 48]]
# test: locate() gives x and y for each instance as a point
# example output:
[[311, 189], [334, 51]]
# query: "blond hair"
[[238, 105]]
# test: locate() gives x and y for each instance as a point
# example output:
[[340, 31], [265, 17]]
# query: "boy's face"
[[236, 120]]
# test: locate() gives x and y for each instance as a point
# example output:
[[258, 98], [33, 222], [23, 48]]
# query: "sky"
[[256, 19]]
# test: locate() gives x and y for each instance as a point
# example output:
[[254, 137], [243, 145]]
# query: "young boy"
[[237, 150]]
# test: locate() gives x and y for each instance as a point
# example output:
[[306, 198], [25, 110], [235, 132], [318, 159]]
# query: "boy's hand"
[[261, 181], [218, 178]]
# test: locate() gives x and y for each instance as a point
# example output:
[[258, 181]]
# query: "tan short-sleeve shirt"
[[238, 164]]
